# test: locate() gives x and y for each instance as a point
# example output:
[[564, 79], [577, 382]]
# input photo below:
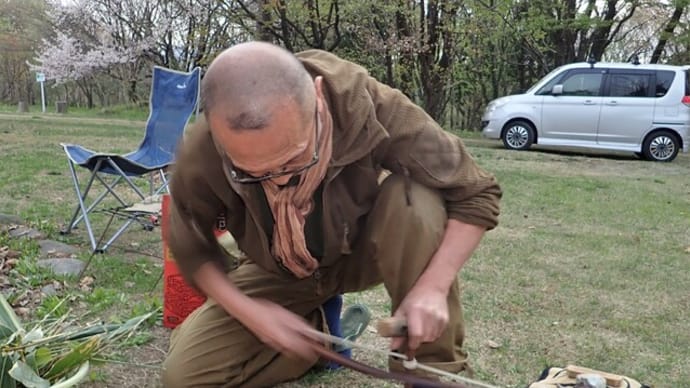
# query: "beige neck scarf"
[[290, 206]]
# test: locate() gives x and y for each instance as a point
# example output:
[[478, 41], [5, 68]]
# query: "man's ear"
[[318, 86]]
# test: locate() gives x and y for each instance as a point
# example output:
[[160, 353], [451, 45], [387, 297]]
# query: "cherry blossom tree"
[[98, 38], [67, 59]]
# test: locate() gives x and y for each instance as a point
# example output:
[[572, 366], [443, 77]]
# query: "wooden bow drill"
[[390, 327]]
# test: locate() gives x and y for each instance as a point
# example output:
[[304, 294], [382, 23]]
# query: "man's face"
[[286, 144]]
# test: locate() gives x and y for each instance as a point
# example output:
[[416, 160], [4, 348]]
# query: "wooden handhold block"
[[612, 380], [392, 327]]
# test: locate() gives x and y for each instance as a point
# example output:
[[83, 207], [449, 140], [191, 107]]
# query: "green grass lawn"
[[590, 264], [121, 112]]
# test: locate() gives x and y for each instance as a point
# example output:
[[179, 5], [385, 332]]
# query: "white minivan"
[[643, 109]]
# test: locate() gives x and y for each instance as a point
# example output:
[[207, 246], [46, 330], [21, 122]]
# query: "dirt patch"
[[141, 365]]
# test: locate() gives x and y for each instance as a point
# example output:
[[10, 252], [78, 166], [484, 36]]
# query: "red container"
[[179, 298]]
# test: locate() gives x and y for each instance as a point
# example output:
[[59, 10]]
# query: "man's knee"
[[404, 200], [175, 372], [179, 371], [197, 355]]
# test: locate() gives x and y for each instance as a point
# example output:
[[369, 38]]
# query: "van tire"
[[518, 135], [661, 146]]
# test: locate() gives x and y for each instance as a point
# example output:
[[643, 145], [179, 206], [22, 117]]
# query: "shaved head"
[[251, 83]]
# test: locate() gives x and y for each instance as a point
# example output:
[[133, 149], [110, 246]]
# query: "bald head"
[[251, 82]]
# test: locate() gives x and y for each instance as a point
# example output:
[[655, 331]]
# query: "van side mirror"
[[557, 90]]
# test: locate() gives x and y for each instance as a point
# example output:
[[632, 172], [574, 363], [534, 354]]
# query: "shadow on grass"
[[560, 151]]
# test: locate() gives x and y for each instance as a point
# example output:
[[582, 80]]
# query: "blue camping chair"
[[173, 99]]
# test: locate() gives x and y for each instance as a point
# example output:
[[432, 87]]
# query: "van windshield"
[[551, 74]]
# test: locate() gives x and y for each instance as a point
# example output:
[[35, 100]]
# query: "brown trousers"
[[212, 349]]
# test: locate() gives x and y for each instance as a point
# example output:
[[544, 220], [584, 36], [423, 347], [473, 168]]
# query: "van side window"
[[582, 84], [629, 85], [664, 79]]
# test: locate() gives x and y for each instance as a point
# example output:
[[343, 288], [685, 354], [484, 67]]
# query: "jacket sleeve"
[[194, 208], [419, 148]]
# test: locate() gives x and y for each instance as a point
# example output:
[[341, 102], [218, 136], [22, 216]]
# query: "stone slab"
[[62, 266], [52, 248]]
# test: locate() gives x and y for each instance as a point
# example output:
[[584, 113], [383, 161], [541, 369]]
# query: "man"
[[292, 150]]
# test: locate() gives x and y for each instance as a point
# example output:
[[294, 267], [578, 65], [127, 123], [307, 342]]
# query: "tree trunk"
[[285, 25], [132, 91], [437, 48], [667, 32], [60, 106], [407, 61], [263, 22], [390, 79]]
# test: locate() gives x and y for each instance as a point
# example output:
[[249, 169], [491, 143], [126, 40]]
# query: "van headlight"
[[495, 104]]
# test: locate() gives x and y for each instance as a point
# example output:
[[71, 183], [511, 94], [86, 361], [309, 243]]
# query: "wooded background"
[[451, 57]]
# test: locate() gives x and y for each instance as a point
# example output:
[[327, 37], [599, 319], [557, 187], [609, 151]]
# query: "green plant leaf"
[[76, 378], [42, 357], [35, 334], [27, 376], [129, 326], [5, 380], [73, 359], [93, 330], [9, 323]]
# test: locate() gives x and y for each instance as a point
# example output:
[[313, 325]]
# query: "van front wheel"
[[518, 135], [661, 146]]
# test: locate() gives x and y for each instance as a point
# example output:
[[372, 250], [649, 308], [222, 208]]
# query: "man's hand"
[[426, 311], [280, 329], [274, 325], [425, 308]]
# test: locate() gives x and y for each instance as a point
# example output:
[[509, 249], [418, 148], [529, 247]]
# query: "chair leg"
[[82, 211], [81, 207], [164, 179], [126, 178], [117, 234], [80, 198], [164, 185], [108, 189]]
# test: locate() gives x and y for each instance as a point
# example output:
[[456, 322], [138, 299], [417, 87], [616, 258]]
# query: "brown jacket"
[[375, 127]]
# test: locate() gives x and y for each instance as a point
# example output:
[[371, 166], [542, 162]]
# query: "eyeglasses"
[[240, 176]]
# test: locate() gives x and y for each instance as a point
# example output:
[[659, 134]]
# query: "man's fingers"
[[415, 331], [413, 342], [301, 349], [419, 329], [397, 343], [293, 344], [302, 344]]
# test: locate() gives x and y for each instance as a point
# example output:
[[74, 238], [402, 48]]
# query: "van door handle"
[[612, 102], [589, 102]]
